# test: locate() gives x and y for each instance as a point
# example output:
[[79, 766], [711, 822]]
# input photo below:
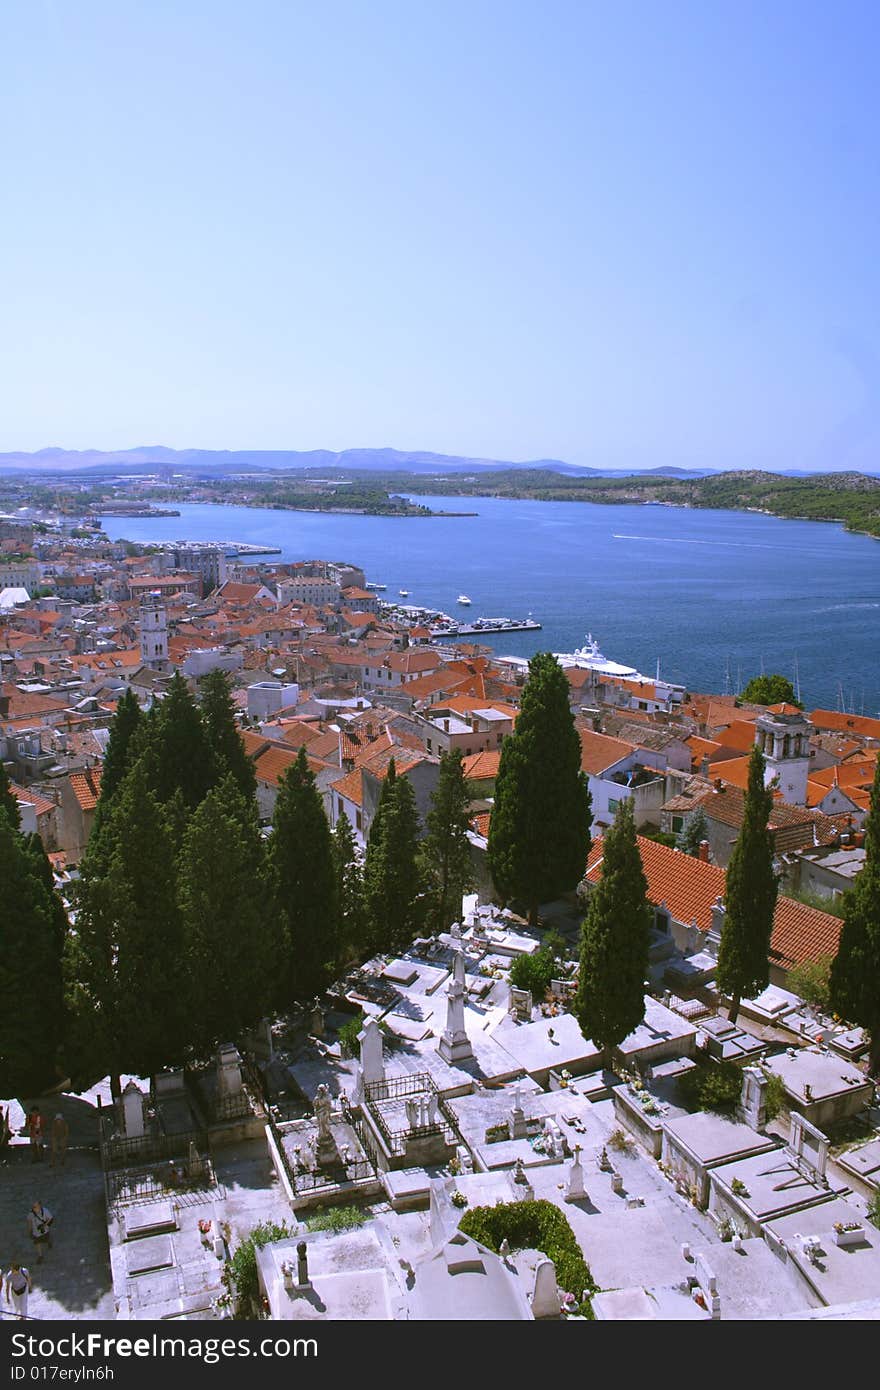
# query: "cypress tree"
[[120, 750], [128, 988], [350, 893], [539, 833], [224, 739], [614, 940], [230, 946], [692, 834], [31, 1016], [446, 849], [180, 757], [8, 804], [750, 897], [304, 874], [855, 973], [393, 882]]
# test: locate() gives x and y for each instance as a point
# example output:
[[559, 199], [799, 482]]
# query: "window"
[[612, 804], [677, 823]]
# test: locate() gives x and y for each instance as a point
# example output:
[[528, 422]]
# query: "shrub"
[[712, 1086], [335, 1219], [536, 1225], [348, 1036], [242, 1267], [536, 971], [874, 1209]]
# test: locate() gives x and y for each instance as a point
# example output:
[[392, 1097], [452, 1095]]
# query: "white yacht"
[[464, 600], [404, 593]]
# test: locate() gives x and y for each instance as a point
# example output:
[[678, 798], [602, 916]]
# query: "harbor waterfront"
[[714, 595]]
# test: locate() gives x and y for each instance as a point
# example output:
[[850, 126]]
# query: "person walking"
[[60, 1136], [35, 1131], [40, 1221], [18, 1285]]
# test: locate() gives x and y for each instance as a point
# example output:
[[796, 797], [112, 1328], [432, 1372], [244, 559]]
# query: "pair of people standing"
[[60, 1135], [18, 1282]]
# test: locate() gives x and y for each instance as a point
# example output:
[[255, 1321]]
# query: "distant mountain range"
[[147, 458]]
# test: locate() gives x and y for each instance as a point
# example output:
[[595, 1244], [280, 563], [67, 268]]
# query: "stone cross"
[[455, 1045]]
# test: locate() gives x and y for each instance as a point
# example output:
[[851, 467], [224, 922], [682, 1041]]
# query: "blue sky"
[[623, 235]]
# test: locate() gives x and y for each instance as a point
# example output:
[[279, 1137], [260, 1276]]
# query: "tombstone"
[[302, 1266], [409, 1107], [521, 1004], [194, 1162], [327, 1152], [133, 1112], [708, 1285], [517, 1124], [287, 1275], [262, 1040], [455, 1045], [752, 1105], [617, 1183], [464, 1158], [504, 1248], [316, 1020], [372, 1065], [455, 931], [574, 1187], [545, 1296], [228, 1065], [525, 1191], [809, 1147], [603, 1161]]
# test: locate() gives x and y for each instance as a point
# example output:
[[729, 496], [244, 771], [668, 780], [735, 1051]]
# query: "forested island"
[[850, 498]]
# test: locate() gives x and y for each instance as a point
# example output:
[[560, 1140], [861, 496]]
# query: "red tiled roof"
[[599, 751], [845, 723], [689, 888], [479, 767], [86, 787]]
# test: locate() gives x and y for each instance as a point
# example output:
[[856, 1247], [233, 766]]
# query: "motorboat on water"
[[464, 600]]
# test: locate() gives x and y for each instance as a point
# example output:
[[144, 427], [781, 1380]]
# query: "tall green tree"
[[120, 746], [615, 937], [8, 803], [129, 991], [350, 893], [230, 942], [179, 756], [539, 833], [224, 739], [446, 849], [304, 872], [749, 898], [31, 1013], [393, 882], [692, 834], [855, 974]]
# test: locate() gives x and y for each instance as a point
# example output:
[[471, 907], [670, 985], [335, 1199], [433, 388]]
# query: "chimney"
[[859, 839], [718, 785], [703, 851]]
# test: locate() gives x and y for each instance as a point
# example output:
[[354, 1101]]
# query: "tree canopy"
[[750, 897], [539, 832], [770, 690], [615, 937], [446, 850]]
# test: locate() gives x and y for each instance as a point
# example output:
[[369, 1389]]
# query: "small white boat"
[[463, 599], [404, 593]]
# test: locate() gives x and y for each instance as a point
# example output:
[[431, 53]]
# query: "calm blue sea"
[[705, 592]]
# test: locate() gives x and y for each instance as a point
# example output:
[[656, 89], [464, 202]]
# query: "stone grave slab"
[[151, 1253], [401, 972], [149, 1218]]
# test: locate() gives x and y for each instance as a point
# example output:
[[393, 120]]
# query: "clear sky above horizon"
[[624, 235]]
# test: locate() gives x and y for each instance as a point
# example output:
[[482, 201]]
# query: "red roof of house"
[[86, 787], [599, 751], [689, 888]]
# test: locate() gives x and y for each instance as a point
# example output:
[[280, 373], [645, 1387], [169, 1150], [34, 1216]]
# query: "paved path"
[[74, 1279]]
